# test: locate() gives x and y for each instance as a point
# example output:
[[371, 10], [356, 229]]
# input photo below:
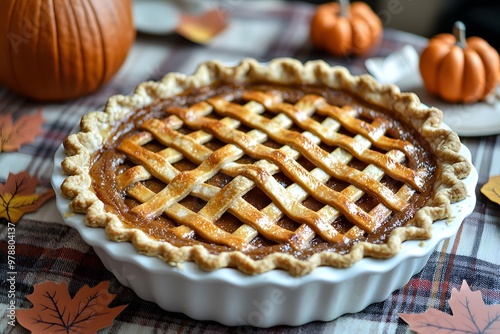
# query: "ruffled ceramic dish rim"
[[171, 287], [231, 297]]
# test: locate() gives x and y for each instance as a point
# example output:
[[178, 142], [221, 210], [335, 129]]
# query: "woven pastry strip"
[[332, 138], [307, 147], [285, 201]]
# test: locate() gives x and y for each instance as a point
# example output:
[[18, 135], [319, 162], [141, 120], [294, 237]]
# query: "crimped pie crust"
[[96, 126]]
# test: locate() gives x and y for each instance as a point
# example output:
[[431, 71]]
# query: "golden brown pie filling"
[[264, 168]]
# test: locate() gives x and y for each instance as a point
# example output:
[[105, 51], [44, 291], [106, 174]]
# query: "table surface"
[[48, 250]]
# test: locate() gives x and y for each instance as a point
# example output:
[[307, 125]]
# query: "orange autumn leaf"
[[18, 196], [55, 311], [23, 131], [202, 28], [491, 189], [470, 315]]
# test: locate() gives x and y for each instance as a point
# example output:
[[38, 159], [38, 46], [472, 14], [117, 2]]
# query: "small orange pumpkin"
[[458, 69], [344, 28], [56, 50]]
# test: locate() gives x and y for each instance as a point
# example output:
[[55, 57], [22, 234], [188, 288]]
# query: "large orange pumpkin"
[[458, 69], [344, 29], [60, 49]]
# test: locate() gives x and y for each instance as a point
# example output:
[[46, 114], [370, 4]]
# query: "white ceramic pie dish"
[[272, 298]]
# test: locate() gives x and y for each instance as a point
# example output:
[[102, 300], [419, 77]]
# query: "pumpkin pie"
[[261, 167]]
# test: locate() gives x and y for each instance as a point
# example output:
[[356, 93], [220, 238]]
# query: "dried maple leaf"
[[491, 189], [23, 131], [202, 28], [470, 315], [54, 311], [17, 196]]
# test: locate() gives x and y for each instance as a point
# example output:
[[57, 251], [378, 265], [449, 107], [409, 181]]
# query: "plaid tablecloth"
[[48, 250]]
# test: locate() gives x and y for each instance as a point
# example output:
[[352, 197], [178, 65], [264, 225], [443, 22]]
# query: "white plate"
[[401, 68], [269, 299], [161, 17], [477, 119], [155, 16]]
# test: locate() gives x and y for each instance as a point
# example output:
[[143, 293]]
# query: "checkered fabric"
[[48, 250]]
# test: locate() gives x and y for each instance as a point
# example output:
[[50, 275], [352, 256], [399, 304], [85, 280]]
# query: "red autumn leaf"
[[18, 196], [23, 131], [54, 311], [470, 315]]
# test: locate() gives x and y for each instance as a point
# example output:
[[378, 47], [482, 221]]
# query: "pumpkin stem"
[[344, 8], [459, 32]]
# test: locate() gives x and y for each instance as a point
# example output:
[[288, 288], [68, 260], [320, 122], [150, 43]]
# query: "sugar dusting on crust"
[[95, 126]]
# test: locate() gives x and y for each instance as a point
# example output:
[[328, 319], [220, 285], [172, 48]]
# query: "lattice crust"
[[221, 119], [286, 201]]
